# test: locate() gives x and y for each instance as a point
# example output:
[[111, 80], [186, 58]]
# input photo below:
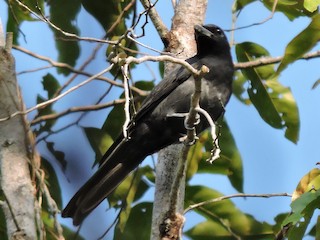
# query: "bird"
[[156, 124]]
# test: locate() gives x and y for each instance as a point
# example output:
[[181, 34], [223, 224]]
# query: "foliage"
[[273, 101]]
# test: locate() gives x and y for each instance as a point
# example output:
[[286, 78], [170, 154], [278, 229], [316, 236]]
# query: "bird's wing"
[[164, 88]]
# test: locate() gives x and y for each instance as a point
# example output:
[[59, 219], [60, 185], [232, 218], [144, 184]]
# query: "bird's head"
[[210, 39]]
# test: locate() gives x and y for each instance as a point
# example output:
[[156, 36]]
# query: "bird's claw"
[[184, 139], [190, 128]]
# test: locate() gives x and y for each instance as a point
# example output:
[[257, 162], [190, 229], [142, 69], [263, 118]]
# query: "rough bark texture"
[[15, 174], [181, 42]]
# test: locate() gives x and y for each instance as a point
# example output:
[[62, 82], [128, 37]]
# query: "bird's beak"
[[203, 31]]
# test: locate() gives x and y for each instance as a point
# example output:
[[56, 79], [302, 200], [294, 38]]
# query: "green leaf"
[[229, 163], [287, 108], [310, 181], [138, 225], [99, 140], [290, 8], [238, 88], [302, 211], [59, 156], [273, 101], [240, 4], [301, 44], [209, 230], [3, 223], [17, 15], [311, 5], [63, 14], [109, 14], [230, 218], [50, 84], [51, 180], [129, 189]]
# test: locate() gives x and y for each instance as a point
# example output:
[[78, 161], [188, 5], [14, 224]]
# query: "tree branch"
[[242, 195]]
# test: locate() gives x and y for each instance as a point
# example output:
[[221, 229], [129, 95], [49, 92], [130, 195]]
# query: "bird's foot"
[[184, 139]]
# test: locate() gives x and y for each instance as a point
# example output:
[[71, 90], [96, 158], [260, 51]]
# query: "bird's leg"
[[187, 126]]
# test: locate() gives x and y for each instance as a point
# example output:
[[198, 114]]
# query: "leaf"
[[301, 44], [99, 140], [17, 15], [138, 225], [229, 163], [50, 84], [273, 101], [49, 226], [240, 4], [108, 14], [238, 89], [63, 14], [311, 5], [287, 108], [226, 214], [310, 181], [129, 191], [302, 211], [290, 8], [316, 84], [59, 156], [51, 180]]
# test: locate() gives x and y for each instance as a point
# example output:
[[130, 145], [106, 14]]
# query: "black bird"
[[154, 126]]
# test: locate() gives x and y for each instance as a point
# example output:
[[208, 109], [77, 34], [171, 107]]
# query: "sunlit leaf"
[[290, 8], [274, 102], [228, 215], [311, 5], [302, 43], [129, 191], [238, 88], [302, 210], [99, 140], [310, 181], [240, 4]]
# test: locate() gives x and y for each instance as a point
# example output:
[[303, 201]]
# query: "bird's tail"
[[117, 163]]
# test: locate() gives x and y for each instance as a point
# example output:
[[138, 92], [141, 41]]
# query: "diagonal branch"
[[239, 195]]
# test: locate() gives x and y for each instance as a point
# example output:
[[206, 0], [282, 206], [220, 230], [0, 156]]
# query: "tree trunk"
[[181, 40], [19, 204]]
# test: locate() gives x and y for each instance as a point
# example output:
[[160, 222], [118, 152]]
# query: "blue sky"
[[272, 164]]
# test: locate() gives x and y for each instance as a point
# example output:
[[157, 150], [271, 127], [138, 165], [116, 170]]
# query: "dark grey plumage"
[[153, 128]]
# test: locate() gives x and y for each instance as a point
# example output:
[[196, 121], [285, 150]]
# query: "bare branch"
[[70, 68], [271, 60], [239, 195], [77, 109], [43, 104], [66, 34], [156, 20], [275, 3]]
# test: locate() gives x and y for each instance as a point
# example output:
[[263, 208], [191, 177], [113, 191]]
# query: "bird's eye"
[[219, 31]]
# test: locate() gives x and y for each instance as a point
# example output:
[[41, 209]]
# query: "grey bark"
[[19, 204], [180, 40]]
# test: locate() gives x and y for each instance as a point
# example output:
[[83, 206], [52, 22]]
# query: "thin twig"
[[238, 195], [155, 18], [258, 23], [127, 99], [77, 109], [66, 34], [43, 104]]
